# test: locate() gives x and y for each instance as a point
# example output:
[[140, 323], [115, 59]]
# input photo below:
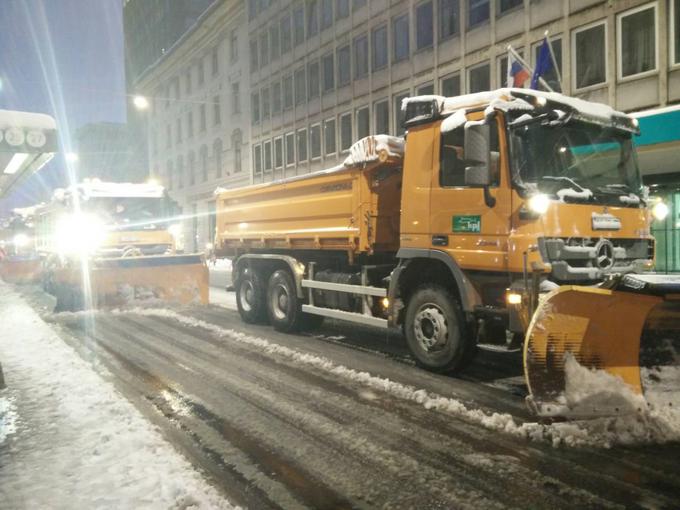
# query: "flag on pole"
[[544, 64], [517, 73]]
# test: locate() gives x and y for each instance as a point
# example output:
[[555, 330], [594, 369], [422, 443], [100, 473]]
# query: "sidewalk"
[[68, 439]]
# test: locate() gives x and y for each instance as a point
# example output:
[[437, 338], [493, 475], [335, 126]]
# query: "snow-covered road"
[[68, 439], [341, 418]]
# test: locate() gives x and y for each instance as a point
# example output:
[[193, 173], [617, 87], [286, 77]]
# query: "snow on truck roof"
[[26, 120], [513, 99], [98, 189]]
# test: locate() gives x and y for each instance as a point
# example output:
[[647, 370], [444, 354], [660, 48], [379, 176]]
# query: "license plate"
[[606, 222]]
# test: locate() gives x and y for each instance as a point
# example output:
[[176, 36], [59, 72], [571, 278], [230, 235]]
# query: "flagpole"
[[554, 61], [527, 66]]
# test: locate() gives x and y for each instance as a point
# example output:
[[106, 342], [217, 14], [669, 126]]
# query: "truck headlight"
[[660, 211], [20, 240], [175, 230], [80, 234], [539, 203]]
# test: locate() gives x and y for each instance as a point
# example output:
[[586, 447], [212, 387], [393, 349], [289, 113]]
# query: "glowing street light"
[[72, 157], [140, 102]]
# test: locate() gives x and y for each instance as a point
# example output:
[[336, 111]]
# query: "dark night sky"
[[64, 58]]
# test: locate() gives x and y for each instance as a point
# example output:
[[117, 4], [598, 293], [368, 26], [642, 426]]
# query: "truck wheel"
[[250, 298], [283, 306], [434, 329]]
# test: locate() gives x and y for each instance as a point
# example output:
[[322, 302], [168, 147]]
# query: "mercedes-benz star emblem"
[[604, 254]]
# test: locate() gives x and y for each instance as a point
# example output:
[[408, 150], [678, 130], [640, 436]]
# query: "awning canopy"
[[27, 142]]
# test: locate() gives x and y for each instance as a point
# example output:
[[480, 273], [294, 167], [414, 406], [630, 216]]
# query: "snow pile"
[[454, 121], [374, 148], [583, 194], [648, 427], [220, 264], [78, 442], [8, 417], [630, 199]]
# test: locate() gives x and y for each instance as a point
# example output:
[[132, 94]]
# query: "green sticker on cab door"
[[467, 223]]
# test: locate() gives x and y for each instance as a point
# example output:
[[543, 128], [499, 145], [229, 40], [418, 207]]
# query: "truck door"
[[461, 222]]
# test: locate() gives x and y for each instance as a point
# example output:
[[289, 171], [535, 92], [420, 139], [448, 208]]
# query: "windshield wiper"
[[564, 178]]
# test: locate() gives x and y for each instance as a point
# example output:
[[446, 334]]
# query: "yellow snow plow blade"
[[598, 351], [126, 281], [20, 270]]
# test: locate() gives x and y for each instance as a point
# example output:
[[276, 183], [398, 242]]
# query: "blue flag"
[[544, 64]]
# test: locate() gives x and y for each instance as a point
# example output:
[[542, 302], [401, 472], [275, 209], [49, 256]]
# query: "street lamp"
[[71, 157], [140, 102]]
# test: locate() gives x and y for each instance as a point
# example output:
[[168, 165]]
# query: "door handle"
[[440, 240]]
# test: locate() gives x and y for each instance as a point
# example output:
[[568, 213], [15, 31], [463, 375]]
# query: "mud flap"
[[604, 351], [117, 282]]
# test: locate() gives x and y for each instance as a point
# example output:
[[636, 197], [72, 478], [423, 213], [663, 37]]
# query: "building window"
[[382, 117], [290, 149], [264, 49], [675, 31], [315, 141], [236, 143], [479, 78], [344, 68], [449, 18], [302, 145], [363, 122], [360, 57], [478, 12], [312, 18], [329, 142], [252, 8], [326, 14], [425, 90], [266, 107], [217, 111], [506, 5], [257, 159], [379, 44], [358, 4], [341, 9], [204, 162], [178, 131], [399, 113], [276, 98], [168, 136], [233, 47], [345, 131], [288, 91], [278, 152], [313, 80], [274, 42], [217, 156], [450, 85], [201, 73], [171, 175], [215, 63], [328, 72], [201, 118], [551, 76], [255, 107], [300, 86], [589, 55], [154, 142], [253, 55], [235, 98], [286, 38], [267, 156], [299, 25], [637, 41], [188, 82], [400, 34], [424, 26], [190, 124], [191, 168], [180, 172]]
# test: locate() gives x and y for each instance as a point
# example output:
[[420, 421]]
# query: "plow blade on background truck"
[[116, 282], [628, 333]]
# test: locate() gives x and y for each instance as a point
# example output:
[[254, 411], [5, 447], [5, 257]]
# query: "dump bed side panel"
[[332, 211]]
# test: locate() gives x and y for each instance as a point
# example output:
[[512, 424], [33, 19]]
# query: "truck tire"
[[435, 329], [283, 306], [250, 298]]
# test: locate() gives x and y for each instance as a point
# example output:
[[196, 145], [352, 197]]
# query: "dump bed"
[[353, 207]]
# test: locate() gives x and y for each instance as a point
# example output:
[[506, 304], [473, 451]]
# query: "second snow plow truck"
[[509, 213], [111, 244]]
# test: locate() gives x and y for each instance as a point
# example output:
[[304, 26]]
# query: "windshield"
[[142, 213], [576, 161]]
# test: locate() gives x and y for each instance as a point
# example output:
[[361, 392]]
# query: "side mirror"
[[477, 156]]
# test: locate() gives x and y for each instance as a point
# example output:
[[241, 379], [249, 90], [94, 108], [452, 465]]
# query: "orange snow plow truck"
[[508, 216]]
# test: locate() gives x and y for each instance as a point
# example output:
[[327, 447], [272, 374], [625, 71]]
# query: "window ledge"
[[638, 76], [590, 88]]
